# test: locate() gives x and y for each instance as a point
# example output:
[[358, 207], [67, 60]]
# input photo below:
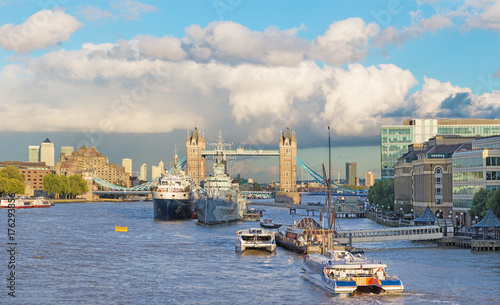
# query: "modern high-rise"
[[369, 179], [350, 173], [47, 152], [34, 153], [127, 164], [156, 171], [66, 151], [143, 173], [394, 140]]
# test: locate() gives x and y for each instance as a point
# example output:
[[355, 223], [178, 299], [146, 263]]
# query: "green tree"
[[65, 187], [478, 207], [494, 202], [78, 185], [382, 193], [52, 185], [11, 181], [256, 187]]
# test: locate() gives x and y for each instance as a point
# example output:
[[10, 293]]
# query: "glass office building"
[[394, 139]]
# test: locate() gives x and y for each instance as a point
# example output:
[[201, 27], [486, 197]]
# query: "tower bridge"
[[196, 153]]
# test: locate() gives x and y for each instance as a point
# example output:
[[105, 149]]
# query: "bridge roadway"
[[389, 234], [242, 152]]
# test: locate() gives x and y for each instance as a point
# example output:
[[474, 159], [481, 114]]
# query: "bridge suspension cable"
[[320, 178]]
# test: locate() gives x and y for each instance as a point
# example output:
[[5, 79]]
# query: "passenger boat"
[[342, 273], [25, 203], [255, 238], [269, 224], [173, 197], [220, 200]]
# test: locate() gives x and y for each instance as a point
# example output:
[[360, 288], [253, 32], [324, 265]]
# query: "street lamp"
[[476, 219], [412, 216]]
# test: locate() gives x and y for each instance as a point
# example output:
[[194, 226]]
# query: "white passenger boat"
[[25, 203], [342, 273], [255, 238]]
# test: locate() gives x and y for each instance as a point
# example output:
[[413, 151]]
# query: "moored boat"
[[342, 273], [220, 200], [269, 224], [255, 238], [25, 203], [173, 197]]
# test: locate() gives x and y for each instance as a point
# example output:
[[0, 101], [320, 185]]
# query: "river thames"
[[71, 254]]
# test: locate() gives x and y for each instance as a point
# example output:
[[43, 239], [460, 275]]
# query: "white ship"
[[255, 238], [220, 200], [173, 197]]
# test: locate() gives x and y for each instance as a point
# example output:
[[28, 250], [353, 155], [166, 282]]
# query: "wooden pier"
[[468, 242]]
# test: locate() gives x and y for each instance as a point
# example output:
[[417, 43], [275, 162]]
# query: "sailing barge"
[[306, 237]]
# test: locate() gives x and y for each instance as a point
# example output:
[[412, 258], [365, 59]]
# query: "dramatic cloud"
[[41, 30], [356, 98], [225, 76]]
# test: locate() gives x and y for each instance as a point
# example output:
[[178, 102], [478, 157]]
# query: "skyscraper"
[[127, 164], [47, 152], [156, 171], [350, 173], [143, 174], [66, 151], [34, 153], [369, 179]]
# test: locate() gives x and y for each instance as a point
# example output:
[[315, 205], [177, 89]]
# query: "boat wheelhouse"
[[255, 238]]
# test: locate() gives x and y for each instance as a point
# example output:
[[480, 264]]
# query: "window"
[[438, 201], [438, 180], [439, 191], [438, 170]]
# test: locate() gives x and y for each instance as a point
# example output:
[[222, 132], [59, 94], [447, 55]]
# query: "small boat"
[[25, 203], [255, 238], [342, 273], [269, 224], [121, 229], [305, 237]]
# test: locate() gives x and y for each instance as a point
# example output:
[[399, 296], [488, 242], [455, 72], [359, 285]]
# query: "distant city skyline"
[[131, 77]]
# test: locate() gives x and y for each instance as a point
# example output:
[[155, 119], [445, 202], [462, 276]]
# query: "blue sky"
[[146, 71]]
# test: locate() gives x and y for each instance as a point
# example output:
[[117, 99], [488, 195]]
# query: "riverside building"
[[394, 139], [89, 160], [473, 170], [350, 173], [33, 174], [423, 176]]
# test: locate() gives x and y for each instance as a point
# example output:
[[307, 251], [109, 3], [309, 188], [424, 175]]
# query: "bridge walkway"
[[389, 234]]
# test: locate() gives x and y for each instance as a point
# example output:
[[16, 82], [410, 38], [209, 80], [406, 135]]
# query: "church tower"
[[288, 163], [195, 162]]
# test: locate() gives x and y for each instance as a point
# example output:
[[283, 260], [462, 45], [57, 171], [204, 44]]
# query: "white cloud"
[[344, 41], [41, 30], [357, 98], [130, 9], [93, 13], [485, 15], [428, 100]]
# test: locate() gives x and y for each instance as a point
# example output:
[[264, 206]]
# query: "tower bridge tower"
[[195, 162], [288, 163]]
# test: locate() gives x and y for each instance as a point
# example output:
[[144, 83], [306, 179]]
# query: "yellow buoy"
[[121, 229]]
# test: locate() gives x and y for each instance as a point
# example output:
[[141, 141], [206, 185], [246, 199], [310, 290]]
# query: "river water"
[[71, 254]]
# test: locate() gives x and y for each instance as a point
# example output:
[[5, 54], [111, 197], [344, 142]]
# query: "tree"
[[78, 186], [11, 181], [52, 185], [382, 193], [494, 202], [65, 187], [256, 187], [478, 207]]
